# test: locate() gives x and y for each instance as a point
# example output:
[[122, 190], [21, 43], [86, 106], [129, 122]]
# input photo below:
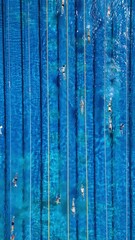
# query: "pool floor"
[[67, 130]]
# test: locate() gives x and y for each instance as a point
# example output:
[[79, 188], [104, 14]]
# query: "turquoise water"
[[60, 68]]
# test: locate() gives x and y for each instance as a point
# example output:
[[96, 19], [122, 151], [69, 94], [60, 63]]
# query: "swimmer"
[[88, 35], [110, 125], [82, 190], [82, 106], [13, 224], [63, 71], [62, 6], [109, 11], [57, 200], [121, 127], [1, 130], [14, 181], [12, 237], [73, 206], [110, 106]]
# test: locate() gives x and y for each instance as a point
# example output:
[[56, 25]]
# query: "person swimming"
[[62, 6], [13, 224], [57, 200], [82, 190], [73, 209], [88, 34], [1, 130], [62, 3], [109, 11], [63, 71], [82, 106], [110, 124], [121, 127], [110, 106], [15, 179], [12, 237]]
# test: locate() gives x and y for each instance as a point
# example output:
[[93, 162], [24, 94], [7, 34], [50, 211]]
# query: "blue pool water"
[[67, 76]]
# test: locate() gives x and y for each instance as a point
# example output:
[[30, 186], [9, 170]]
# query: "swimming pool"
[[67, 132]]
